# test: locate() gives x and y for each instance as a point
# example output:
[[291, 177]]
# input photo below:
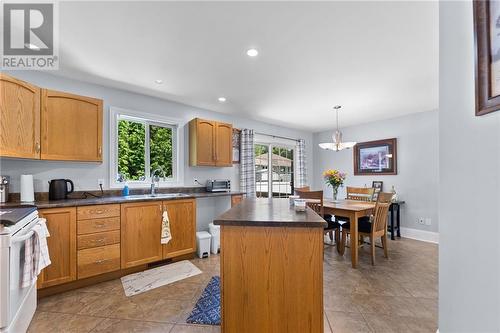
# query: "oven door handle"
[[28, 235], [23, 237]]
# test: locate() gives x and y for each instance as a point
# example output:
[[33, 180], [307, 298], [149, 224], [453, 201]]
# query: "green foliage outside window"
[[132, 149], [131, 157], [160, 141]]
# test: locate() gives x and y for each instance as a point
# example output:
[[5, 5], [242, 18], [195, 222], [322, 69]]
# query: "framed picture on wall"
[[376, 157], [236, 145], [378, 185], [487, 42]]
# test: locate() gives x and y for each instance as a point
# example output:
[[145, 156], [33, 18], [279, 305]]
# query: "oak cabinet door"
[[19, 118], [202, 142], [182, 216], [224, 145], [61, 223], [140, 233], [71, 127]]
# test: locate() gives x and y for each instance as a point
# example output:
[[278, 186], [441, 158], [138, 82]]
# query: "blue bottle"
[[125, 191]]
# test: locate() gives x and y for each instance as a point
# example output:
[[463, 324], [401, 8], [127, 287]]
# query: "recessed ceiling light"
[[158, 81], [252, 52], [222, 99]]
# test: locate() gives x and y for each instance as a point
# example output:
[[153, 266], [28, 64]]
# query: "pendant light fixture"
[[337, 144]]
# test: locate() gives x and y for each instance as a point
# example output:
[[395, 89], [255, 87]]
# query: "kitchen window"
[[143, 145]]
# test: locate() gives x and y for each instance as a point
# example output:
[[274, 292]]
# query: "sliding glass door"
[[273, 171]]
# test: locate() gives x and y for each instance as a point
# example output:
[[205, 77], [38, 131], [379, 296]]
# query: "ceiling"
[[377, 59]]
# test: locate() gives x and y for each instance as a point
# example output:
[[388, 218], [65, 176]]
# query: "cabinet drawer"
[[98, 260], [98, 225], [97, 211], [99, 239]]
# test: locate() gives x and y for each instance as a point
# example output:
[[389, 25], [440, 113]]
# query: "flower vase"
[[335, 193]]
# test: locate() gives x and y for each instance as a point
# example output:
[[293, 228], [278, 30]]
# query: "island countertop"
[[264, 212]]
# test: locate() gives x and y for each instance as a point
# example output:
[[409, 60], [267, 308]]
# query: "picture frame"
[[487, 54], [378, 185], [236, 145], [377, 157]]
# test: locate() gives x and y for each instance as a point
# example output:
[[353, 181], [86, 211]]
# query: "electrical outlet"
[[428, 221], [421, 220], [100, 182]]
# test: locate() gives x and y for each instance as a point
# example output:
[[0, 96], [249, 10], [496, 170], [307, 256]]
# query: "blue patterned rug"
[[207, 309]]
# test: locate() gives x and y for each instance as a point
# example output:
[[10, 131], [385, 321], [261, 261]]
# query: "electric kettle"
[[58, 189]]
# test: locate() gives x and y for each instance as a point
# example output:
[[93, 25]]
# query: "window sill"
[[145, 185]]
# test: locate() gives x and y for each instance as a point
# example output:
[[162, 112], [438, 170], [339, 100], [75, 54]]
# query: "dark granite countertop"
[[265, 212], [71, 202]]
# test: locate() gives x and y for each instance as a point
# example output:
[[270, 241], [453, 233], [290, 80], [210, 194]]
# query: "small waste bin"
[[214, 231], [203, 244]]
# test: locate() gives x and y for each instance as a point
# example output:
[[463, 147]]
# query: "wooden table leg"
[[353, 219], [399, 220], [392, 221]]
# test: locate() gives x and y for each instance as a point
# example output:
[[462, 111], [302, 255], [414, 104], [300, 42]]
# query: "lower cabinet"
[[61, 223], [98, 260], [93, 240], [182, 216], [141, 233], [236, 199]]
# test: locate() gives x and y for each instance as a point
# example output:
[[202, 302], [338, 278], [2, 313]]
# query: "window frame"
[[117, 114]]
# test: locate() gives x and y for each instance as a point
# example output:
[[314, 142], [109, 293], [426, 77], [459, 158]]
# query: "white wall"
[[469, 186], [85, 175], [417, 178]]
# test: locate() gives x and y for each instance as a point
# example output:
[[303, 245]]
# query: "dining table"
[[353, 210]]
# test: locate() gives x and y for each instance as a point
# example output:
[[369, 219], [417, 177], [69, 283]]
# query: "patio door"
[[274, 170]]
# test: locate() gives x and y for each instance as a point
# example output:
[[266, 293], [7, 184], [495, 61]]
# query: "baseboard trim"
[[421, 235]]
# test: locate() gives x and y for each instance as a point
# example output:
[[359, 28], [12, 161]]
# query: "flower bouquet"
[[335, 179]]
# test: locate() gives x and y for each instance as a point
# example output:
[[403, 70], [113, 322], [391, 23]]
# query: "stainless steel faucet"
[[156, 177]]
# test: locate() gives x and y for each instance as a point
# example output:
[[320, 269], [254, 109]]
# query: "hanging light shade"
[[337, 144]]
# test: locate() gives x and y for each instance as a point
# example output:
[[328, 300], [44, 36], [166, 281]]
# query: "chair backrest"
[[360, 193], [302, 189], [316, 195], [381, 209]]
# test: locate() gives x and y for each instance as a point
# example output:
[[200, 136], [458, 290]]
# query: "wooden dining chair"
[[333, 226], [376, 227], [360, 193], [302, 189]]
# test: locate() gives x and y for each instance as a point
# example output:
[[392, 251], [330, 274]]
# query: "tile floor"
[[396, 295]]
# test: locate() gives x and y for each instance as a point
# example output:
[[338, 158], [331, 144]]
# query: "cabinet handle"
[[100, 241], [100, 151], [37, 147], [100, 225], [100, 261]]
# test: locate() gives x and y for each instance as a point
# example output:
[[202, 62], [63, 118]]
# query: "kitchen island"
[[271, 268]]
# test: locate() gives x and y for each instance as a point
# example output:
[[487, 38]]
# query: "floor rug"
[[137, 283], [207, 309]]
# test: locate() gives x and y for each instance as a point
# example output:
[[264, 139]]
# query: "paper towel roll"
[[27, 190]]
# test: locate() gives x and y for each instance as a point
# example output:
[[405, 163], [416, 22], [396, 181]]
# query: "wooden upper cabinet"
[[141, 233], [19, 118], [224, 145], [182, 217], [71, 127], [210, 143], [61, 223]]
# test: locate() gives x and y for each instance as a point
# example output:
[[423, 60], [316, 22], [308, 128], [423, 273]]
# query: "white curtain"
[[301, 164], [247, 163]]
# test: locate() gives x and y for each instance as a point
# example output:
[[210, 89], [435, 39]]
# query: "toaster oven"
[[214, 185]]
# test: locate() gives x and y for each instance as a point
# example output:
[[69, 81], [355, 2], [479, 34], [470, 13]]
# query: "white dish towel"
[[36, 254], [166, 236]]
